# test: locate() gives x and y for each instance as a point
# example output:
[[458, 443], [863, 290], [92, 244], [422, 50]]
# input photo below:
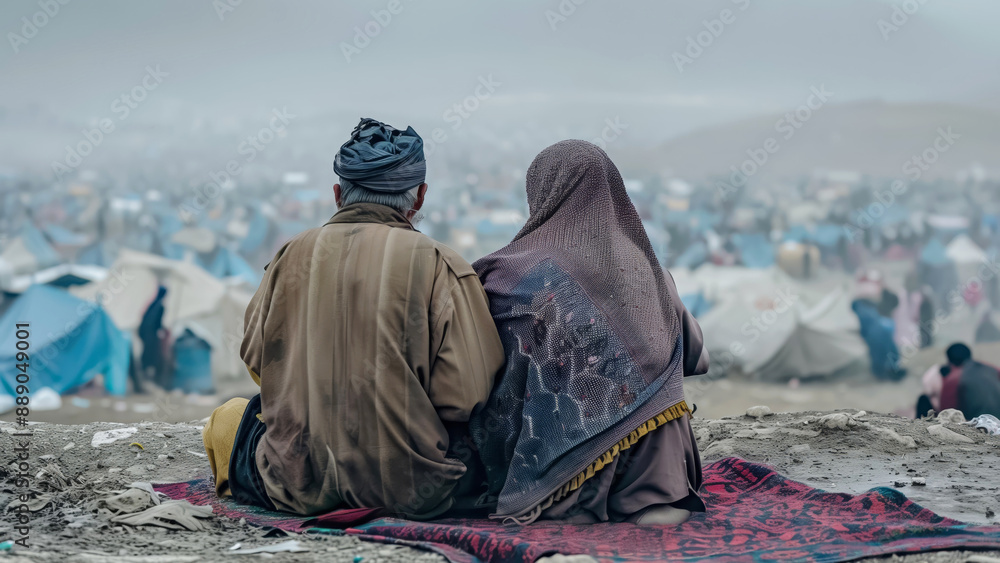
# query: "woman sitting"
[[588, 421]]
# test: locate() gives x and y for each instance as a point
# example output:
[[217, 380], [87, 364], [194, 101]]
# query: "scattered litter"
[[128, 502], [172, 514], [197, 454], [945, 435], [69, 446], [290, 546], [358, 559], [80, 402], [137, 444], [46, 399], [148, 487], [951, 415], [110, 436], [7, 545], [235, 546], [840, 420], [759, 411], [919, 481], [987, 423]]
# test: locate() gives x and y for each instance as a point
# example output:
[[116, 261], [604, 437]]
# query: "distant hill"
[[869, 137]]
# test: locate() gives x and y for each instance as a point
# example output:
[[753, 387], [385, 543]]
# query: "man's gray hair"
[[402, 202]]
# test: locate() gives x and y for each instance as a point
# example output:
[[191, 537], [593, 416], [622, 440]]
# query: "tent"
[[99, 253], [71, 341], [64, 237], [63, 275], [228, 263], [755, 250], [256, 232], [775, 328], [938, 272], [696, 304], [799, 260], [967, 257], [29, 252], [692, 257], [196, 300]]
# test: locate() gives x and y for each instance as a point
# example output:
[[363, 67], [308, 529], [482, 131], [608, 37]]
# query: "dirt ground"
[[846, 451]]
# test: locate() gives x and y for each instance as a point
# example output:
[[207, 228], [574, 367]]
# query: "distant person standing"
[[150, 333]]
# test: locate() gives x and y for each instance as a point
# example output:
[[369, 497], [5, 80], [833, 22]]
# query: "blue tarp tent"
[[797, 233], [192, 364], [96, 254], [696, 304], [71, 341], [755, 250], [39, 247], [228, 263], [828, 236], [694, 256], [256, 233], [62, 236], [698, 220]]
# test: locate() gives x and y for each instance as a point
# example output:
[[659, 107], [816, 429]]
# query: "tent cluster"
[[871, 283], [128, 289]]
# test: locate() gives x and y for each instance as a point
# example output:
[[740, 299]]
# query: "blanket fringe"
[[672, 413]]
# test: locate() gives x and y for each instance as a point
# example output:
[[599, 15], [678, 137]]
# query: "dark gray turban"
[[381, 158]]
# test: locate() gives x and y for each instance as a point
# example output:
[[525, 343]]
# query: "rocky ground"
[[80, 484]]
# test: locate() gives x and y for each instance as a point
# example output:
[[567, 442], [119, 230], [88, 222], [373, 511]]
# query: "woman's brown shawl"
[[590, 326]]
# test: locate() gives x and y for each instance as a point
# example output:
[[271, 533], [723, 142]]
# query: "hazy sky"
[[605, 59]]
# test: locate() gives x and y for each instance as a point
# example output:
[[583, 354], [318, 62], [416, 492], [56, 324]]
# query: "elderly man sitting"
[[371, 343]]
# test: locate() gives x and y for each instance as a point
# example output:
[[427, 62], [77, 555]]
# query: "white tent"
[[196, 300], [20, 284], [967, 256], [776, 328]]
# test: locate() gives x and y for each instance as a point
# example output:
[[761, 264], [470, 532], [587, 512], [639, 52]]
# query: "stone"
[[946, 435], [759, 411], [951, 415]]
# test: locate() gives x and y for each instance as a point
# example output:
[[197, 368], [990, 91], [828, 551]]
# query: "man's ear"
[[336, 194], [421, 190]]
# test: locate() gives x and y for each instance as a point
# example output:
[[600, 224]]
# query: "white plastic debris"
[[46, 399], [290, 546], [109, 436], [987, 423]]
